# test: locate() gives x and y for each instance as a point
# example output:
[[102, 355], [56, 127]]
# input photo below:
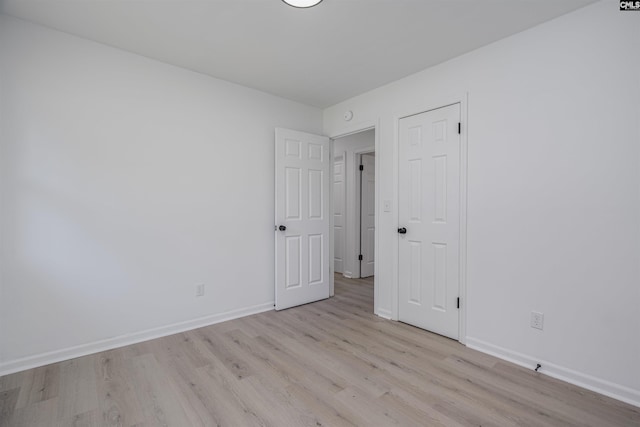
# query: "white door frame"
[[346, 131], [433, 104], [357, 233]]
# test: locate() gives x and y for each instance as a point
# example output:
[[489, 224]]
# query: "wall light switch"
[[200, 290]]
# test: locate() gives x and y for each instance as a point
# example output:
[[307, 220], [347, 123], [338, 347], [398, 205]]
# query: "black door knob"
[[402, 230], [282, 228]]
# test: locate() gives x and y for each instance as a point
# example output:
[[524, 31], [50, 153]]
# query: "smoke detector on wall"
[[348, 115]]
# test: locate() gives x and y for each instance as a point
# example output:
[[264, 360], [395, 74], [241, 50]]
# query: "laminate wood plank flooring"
[[330, 363]]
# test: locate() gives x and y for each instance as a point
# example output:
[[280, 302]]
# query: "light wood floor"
[[330, 363]]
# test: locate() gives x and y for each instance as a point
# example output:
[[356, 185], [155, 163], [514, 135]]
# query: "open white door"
[[367, 214], [302, 173]]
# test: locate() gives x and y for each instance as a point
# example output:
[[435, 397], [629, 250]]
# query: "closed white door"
[[429, 220], [339, 212], [367, 215], [302, 175]]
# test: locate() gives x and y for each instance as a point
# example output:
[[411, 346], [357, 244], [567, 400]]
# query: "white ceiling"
[[318, 56]]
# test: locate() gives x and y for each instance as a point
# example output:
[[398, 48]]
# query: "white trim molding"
[[433, 103], [385, 314], [349, 130], [607, 388], [43, 359]]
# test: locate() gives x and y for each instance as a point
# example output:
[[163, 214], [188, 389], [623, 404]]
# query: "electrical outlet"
[[200, 290], [537, 320]]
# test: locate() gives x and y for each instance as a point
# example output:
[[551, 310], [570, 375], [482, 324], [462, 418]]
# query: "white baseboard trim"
[[607, 388], [43, 359], [385, 314]]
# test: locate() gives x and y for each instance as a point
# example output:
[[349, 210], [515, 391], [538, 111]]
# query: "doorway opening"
[[354, 205]]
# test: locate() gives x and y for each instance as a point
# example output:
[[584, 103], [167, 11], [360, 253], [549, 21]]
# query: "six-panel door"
[[367, 215], [302, 172], [429, 209]]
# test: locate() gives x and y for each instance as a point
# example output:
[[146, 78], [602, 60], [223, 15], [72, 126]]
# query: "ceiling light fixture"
[[302, 3]]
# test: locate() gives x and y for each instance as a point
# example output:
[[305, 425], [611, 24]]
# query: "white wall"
[[553, 192], [351, 145], [124, 182]]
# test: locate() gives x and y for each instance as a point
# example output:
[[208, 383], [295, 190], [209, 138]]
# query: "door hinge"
[[359, 257], [361, 167], [458, 303], [459, 128]]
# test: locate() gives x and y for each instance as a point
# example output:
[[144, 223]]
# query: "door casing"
[[350, 130], [433, 104]]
